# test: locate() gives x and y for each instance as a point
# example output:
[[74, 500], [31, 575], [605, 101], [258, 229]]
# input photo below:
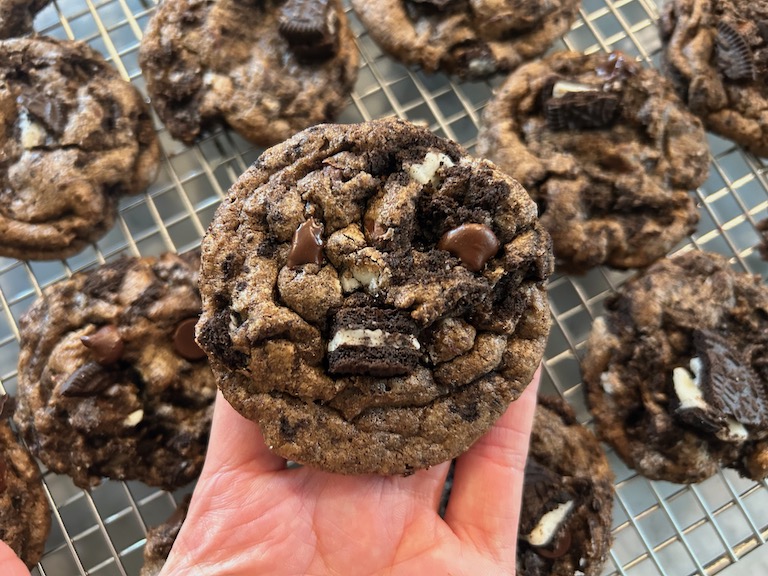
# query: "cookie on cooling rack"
[[373, 296], [160, 540], [76, 137], [716, 54], [473, 39], [17, 16], [565, 524], [25, 517], [266, 69], [111, 381], [608, 152], [677, 370]]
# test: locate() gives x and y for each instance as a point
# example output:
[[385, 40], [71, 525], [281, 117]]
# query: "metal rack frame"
[[659, 528]]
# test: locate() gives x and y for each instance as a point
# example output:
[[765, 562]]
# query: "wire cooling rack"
[[659, 528]]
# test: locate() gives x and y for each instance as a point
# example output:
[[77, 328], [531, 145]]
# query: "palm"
[[250, 515]]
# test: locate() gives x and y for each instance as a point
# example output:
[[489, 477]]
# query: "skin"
[[250, 515]]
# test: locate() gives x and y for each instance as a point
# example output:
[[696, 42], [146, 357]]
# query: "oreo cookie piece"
[[373, 296], [716, 54], [17, 16], [160, 540], [676, 370], [607, 151], [25, 516], [76, 137], [111, 381], [566, 511], [264, 69]]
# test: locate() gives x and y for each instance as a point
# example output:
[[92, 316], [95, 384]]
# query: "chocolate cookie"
[[762, 247], [267, 69], [677, 370], [75, 138], [16, 16], [373, 296], [469, 38], [111, 381], [25, 517], [608, 152], [565, 524], [160, 540], [716, 53]]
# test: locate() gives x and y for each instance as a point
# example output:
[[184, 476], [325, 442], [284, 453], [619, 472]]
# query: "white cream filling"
[[564, 87], [360, 276], [365, 337], [427, 170], [549, 524], [134, 418], [32, 133]]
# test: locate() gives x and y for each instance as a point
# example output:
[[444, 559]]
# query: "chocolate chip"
[[184, 340], [105, 344], [727, 380], [307, 245], [48, 111], [7, 406], [310, 27], [561, 545], [473, 244], [582, 110], [91, 378], [733, 55]]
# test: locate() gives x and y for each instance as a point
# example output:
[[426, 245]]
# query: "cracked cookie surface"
[[111, 381], [716, 54], [373, 296], [608, 152], [469, 38], [76, 138], [677, 370], [25, 516], [567, 506], [266, 69]]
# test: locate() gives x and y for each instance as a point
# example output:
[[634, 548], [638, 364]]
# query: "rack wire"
[[658, 527]]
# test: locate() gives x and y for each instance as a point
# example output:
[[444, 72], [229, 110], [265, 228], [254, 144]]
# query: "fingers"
[[484, 507], [10, 565], [237, 442]]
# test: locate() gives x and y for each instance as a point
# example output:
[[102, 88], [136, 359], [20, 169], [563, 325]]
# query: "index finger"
[[484, 506]]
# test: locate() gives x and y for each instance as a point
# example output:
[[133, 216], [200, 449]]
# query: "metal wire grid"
[[659, 528]]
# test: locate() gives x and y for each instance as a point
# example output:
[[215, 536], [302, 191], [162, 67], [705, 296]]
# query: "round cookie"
[[677, 370], [111, 381], [266, 69], [17, 16], [566, 513], [608, 152], [76, 137], [716, 54], [471, 39], [25, 517], [373, 296], [160, 540]]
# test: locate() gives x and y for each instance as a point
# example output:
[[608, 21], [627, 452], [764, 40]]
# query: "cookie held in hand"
[[373, 296]]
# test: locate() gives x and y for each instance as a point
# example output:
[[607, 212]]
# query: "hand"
[[10, 565], [250, 515]]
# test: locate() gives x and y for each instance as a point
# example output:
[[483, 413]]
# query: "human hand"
[[10, 564], [250, 515]]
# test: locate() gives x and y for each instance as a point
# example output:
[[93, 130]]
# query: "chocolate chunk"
[[184, 340], [561, 545], [7, 406], [89, 379], [582, 110], [307, 246], [374, 342], [310, 27], [733, 55], [48, 111], [473, 244], [728, 382], [105, 344]]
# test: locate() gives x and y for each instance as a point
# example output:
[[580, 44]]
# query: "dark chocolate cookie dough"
[[75, 137], [677, 370], [160, 540], [716, 53], [373, 296], [468, 38], [25, 517], [267, 69], [111, 381], [16, 16], [608, 152], [565, 524]]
